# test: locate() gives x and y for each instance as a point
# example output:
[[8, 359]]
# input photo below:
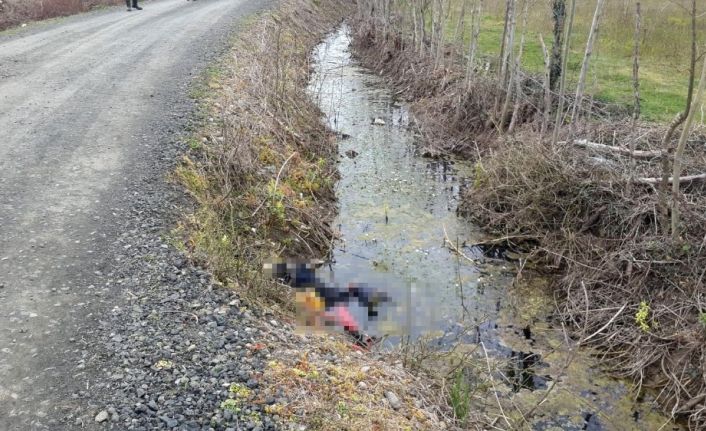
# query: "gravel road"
[[102, 323]]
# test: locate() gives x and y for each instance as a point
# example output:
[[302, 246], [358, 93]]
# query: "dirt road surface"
[[91, 107]]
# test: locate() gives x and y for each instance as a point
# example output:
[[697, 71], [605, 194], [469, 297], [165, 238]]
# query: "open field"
[[664, 48]]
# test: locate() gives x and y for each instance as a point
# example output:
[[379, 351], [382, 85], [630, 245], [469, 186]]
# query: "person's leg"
[[127, 2], [135, 6]]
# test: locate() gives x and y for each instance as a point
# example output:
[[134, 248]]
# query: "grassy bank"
[[15, 12], [664, 49], [261, 167], [622, 285]]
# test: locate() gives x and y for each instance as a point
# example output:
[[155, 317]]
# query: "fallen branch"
[[638, 154], [682, 180], [503, 240], [453, 247]]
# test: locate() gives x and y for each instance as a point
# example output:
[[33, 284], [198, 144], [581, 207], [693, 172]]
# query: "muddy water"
[[396, 213]]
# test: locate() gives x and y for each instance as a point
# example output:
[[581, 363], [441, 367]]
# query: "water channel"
[[396, 212]]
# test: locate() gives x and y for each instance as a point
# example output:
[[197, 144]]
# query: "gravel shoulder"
[[93, 110]]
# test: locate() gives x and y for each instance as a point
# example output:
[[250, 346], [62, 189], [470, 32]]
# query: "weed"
[[643, 313], [460, 395], [231, 405], [193, 143], [239, 391]]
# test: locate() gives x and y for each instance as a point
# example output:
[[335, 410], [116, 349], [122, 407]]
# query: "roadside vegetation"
[[15, 12], [605, 196], [261, 167]]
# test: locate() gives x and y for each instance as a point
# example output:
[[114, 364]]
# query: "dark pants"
[[134, 3]]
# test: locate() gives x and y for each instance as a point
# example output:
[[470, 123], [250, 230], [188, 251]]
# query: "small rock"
[[169, 422], [378, 122], [362, 385], [352, 154], [364, 369], [102, 416], [393, 399]]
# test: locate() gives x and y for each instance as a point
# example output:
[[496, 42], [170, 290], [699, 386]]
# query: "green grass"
[[664, 59]]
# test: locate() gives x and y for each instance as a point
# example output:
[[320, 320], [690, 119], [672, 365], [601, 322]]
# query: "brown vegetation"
[[14, 12], [591, 211], [262, 168]]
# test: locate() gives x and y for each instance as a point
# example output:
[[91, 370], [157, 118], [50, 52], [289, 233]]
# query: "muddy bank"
[[622, 285]]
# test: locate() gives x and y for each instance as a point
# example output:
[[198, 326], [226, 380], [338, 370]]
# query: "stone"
[[393, 399], [102, 416]]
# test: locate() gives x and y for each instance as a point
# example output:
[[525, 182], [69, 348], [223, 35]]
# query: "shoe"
[[129, 9], [138, 8]]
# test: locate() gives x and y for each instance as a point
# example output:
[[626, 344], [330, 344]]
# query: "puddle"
[[395, 211]]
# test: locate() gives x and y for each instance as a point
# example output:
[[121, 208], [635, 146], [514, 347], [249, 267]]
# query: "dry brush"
[[588, 197]]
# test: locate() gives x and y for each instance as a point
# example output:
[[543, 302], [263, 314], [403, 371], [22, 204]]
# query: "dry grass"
[[335, 388], [591, 224], [14, 12], [263, 167]]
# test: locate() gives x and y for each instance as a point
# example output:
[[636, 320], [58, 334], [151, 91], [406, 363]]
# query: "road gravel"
[[93, 298]]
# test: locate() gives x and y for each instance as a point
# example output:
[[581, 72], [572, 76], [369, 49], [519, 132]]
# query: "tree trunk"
[[518, 70], [636, 64], [460, 27], [559, 18], [501, 59], [475, 33], [547, 108], [415, 22], [562, 85], [676, 171], [586, 60], [662, 200], [510, 73]]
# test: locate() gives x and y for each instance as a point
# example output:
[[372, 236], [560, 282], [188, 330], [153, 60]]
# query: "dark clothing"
[[134, 3], [304, 277]]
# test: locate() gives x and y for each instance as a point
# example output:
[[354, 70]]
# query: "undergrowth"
[[578, 214]]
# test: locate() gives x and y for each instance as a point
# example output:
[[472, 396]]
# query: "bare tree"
[[547, 108], [510, 69], [503, 42], [593, 33], [460, 27], [667, 150], [473, 46], [562, 85], [636, 63], [559, 18], [677, 168], [518, 69]]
